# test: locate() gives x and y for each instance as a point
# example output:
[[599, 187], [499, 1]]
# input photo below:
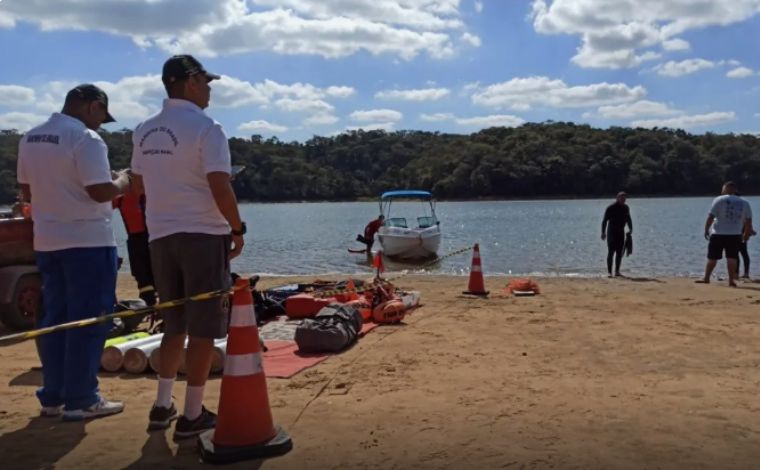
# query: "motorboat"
[[402, 236]]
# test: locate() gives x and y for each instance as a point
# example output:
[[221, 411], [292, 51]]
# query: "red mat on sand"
[[284, 361]]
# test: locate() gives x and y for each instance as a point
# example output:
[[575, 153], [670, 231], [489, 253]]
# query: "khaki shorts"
[[187, 264]]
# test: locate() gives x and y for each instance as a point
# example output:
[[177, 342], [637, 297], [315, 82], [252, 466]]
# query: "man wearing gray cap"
[[181, 159], [63, 171]]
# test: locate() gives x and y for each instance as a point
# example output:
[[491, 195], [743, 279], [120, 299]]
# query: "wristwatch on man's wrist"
[[242, 231]]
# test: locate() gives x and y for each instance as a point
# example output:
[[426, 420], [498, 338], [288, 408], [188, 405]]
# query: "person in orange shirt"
[[369, 232], [132, 208]]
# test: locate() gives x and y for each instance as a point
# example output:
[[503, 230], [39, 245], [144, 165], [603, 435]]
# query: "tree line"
[[550, 159]]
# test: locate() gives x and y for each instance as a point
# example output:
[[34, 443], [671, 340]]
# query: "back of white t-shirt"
[[730, 212], [57, 160], [174, 151]]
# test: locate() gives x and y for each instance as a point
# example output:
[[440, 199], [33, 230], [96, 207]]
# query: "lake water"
[[551, 238]]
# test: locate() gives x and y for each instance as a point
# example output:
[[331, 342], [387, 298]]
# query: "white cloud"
[[283, 32], [230, 92], [740, 72], [684, 67], [262, 126], [321, 119], [686, 121], [520, 107], [436, 117], [433, 15], [328, 28], [339, 91], [478, 5], [134, 98], [307, 105], [469, 88], [470, 39], [425, 94], [22, 122], [676, 44], [616, 34], [376, 126], [14, 95], [297, 97], [522, 93], [376, 115], [494, 120], [302, 97], [634, 110], [6, 20]]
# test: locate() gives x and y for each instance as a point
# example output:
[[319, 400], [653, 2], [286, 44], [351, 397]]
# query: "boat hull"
[[410, 243]]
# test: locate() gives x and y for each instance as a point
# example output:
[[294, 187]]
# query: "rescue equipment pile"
[[319, 317]]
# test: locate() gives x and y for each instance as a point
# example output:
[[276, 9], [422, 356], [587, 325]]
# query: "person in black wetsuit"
[[745, 257], [615, 219], [744, 254]]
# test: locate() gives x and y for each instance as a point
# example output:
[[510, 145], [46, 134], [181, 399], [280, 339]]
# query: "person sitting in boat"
[[369, 232]]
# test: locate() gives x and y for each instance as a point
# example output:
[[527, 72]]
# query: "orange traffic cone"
[[476, 285], [244, 427]]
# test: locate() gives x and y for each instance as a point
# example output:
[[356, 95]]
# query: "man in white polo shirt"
[[728, 224], [181, 159], [63, 170]]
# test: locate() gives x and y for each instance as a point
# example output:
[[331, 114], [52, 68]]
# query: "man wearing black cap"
[[181, 159], [63, 169], [615, 219]]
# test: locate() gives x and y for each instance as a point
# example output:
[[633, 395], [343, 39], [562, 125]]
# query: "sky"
[[294, 69]]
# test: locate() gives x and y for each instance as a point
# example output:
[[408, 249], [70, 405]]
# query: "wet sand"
[[593, 373]]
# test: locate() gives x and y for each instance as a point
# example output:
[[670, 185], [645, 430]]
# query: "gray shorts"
[[187, 264]]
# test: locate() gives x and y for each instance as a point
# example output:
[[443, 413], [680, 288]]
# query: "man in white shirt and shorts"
[[728, 224], [181, 159], [64, 172]]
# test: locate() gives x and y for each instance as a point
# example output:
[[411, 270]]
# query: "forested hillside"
[[551, 159]]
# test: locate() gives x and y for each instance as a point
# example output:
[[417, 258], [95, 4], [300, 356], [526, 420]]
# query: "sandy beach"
[[593, 373]]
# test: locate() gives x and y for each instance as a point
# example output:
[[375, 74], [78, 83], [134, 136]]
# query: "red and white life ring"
[[390, 311]]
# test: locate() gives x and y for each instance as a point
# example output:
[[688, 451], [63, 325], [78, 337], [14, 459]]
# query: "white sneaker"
[[99, 409], [51, 411]]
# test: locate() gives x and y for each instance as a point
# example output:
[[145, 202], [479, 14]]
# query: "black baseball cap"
[[90, 92], [180, 67]]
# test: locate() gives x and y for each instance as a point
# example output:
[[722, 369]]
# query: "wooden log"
[[217, 360], [155, 359], [136, 359], [112, 358]]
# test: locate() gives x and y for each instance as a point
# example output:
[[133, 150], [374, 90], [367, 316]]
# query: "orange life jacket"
[[522, 285], [132, 208]]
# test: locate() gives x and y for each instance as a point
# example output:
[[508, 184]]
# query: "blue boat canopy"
[[413, 193]]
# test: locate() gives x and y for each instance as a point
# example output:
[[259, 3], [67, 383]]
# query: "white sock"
[[164, 397], [193, 401]]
